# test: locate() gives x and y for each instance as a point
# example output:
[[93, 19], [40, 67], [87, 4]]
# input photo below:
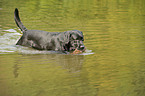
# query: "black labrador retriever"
[[68, 41]]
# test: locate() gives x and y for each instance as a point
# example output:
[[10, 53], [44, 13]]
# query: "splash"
[[8, 40]]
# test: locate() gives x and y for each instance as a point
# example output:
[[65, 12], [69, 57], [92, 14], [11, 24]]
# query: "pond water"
[[113, 64]]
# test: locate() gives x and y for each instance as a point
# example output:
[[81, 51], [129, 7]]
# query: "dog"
[[68, 41]]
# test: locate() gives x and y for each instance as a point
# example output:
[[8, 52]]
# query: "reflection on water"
[[46, 74], [113, 64], [57, 60]]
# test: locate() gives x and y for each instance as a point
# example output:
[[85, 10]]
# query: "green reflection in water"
[[114, 31]]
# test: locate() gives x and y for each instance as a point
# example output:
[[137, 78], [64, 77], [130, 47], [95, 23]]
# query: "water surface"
[[113, 64]]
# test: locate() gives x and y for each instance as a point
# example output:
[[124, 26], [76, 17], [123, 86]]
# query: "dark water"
[[113, 64]]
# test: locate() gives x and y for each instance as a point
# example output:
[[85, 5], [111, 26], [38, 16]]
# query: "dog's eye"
[[76, 45], [81, 38], [75, 41]]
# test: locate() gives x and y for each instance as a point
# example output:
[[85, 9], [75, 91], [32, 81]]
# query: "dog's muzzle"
[[77, 44]]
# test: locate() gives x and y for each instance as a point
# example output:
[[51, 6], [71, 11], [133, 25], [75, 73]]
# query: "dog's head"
[[74, 41]]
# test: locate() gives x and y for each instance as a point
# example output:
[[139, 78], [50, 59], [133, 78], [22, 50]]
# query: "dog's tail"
[[18, 21]]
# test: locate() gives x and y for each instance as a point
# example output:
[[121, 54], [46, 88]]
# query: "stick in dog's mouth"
[[76, 51]]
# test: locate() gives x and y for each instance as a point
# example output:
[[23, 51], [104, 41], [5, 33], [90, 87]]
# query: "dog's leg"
[[22, 41]]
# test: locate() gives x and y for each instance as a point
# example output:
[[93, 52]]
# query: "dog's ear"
[[73, 36], [76, 35], [65, 38]]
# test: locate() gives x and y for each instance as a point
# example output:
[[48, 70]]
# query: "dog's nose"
[[82, 47]]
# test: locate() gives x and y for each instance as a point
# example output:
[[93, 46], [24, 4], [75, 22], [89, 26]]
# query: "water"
[[113, 64]]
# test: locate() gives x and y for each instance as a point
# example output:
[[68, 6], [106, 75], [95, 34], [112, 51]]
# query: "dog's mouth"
[[78, 50], [76, 47]]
